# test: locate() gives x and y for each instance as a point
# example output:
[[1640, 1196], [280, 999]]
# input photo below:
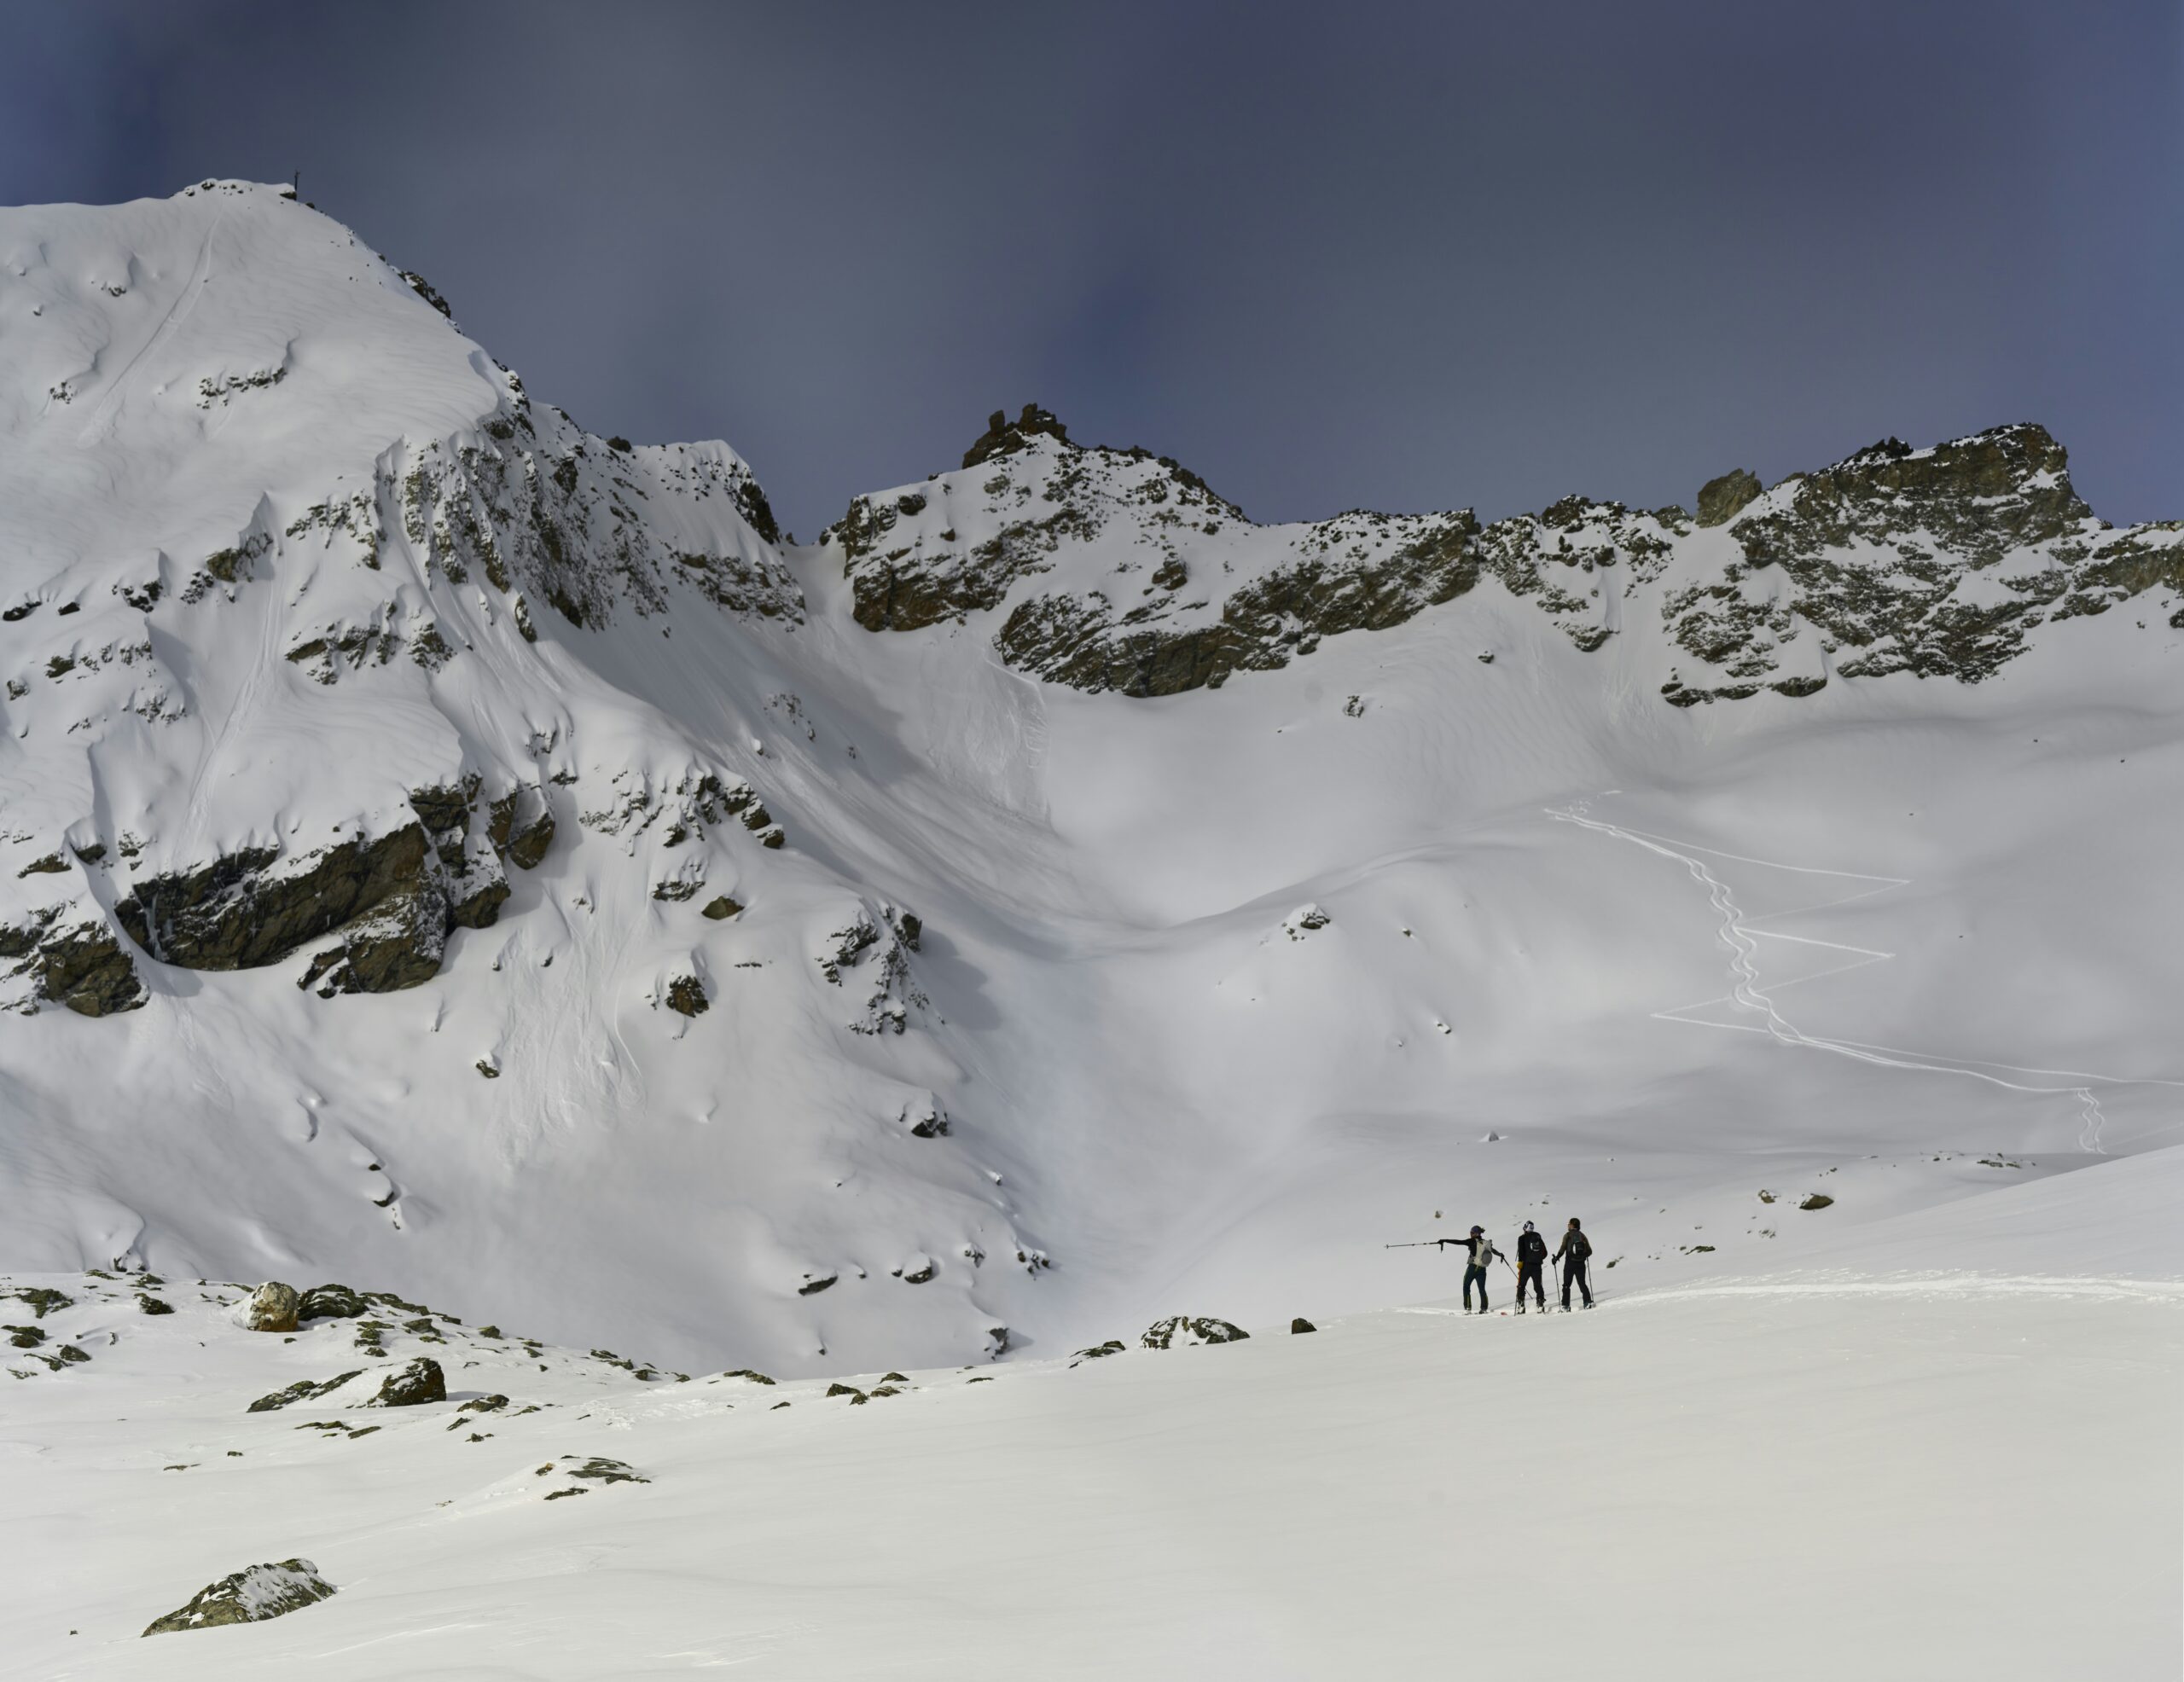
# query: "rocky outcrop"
[[1087, 644], [78, 963], [869, 956], [251, 909], [272, 1308], [1184, 1331], [412, 1386], [1004, 436], [1035, 494], [388, 901], [1720, 500], [1158, 586], [303, 1389], [1938, 562], [251, 1596], [331, 1301]]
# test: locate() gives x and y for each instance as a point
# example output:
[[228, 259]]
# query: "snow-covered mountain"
[[458, 854]]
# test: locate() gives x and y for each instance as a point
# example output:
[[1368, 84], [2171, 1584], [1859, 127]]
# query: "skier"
[[1482, 1251], [1532, 1257], [1576, 1249]]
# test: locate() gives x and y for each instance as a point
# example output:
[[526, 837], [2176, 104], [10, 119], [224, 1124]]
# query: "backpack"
[[1580, 1247]]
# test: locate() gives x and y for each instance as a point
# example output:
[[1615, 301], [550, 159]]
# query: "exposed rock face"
[[686, 994], [250, 1595], [80, 964], [1932, 561], [1183, 1331], [869, 956], [331, 1301], [390, 901], [242, 911], [1004, 436], [272, 1308], [1720, 500], [421, 1381], [1149, 584]]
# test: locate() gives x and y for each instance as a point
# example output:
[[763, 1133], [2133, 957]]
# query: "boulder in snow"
[[330, 1302], [272, 1308], [250, 1595], [420, 1382], [1183, 1331]]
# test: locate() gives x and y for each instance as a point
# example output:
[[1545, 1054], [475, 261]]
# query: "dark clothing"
[[1530, 1270], [1531, 1250], [1577, 1250], [1481, 1248], [1479, 1273]]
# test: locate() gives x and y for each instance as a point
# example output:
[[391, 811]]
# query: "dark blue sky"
[[1402, 256]]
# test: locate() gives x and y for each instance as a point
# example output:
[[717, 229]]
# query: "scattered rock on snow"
[[303, 1390], [1817, 1200], [1300, 1324], [421, 1381], [330, 1302], [1113, 1346], [250, 1595], [1303, 921], [1183, 1331], [272, 1308]]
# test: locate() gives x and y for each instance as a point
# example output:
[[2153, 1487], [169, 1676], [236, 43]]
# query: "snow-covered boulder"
[[250, 1595], [1185, 1331]]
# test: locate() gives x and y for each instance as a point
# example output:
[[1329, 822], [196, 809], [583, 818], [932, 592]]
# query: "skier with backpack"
[[1482, 1251], [1531, 1258], [1576, 1250]]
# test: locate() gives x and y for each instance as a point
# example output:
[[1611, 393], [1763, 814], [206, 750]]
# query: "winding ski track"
[[1747, 993]]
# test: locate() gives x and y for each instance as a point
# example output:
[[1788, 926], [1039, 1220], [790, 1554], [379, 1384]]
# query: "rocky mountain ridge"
[[1935, 561]]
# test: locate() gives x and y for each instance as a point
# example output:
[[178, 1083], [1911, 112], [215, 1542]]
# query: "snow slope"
[[1955, 1465], [383, 838]]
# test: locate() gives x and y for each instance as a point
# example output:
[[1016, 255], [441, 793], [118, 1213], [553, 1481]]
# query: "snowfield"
[[1793, 1475], [450, 852]]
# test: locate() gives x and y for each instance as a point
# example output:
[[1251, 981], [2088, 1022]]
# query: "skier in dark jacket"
[[1532, 1257], [1576, 1249]]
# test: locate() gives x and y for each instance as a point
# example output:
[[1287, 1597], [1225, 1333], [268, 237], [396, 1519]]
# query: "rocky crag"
[[1118, 570]]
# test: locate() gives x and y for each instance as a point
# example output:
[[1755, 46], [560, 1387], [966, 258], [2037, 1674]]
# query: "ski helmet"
[[1528, 1226], [1478, 1229]]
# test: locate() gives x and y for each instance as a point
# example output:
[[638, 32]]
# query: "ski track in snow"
[[200, 276], [1738, 935]]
